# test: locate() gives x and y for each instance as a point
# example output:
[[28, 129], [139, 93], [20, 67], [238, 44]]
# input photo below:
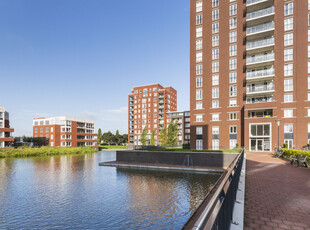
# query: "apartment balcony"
[[161, 111], [260, 16], [263, 99], [253, 5], [260, 60], [161, 96], [260, 75], [161, 101], [260, 45], [267, 113], [260, 31], [260, 89], [161, 107]]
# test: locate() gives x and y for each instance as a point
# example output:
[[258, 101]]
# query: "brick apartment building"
[[183, 119], [147, 107], [66, 131], [250, 71], [6, 139]]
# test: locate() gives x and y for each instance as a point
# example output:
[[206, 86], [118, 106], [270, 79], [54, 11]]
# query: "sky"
[[81, 58]]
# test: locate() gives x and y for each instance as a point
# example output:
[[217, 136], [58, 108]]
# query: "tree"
[[117, 137], [172, 136], [99, 135], [143, 136], [153, 137], [108, 138], [163, 136], [125, 138]]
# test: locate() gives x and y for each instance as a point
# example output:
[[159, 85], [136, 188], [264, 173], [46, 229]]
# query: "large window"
[[288, 113], [215, 40], [215, 92], [199, 118], [199, 145], [288, 84], [260, 130], [288, 24], [199, 82], [233, 77], [199, 94], [232, 63], [288, 8], [199, 32], [215, 104], [199, 57], [288, 128], [288, 39], [233, 23], [233, 36], [198, 19], [215, 117], [198, 6], [288, 69], [199, 69], [215, 53], [233, 91], [232, 9], [198, 105], [215, 67], [288, 97], [288, 54], [215, 79], [232, 50], [215, 14], [198, 130], [215, 3], [198, 44], [215, 27]]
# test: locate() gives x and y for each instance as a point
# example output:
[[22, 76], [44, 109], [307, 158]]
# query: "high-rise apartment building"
[[66, 131], [6, 139], [147, 107], [183, 120], [250, 72]]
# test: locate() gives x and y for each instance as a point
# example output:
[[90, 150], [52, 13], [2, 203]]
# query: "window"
[[288, 39], [233, 129], [199, 94], [198, 105], [215, 104], [215, 67], [198, 19], [199, 82], [232, 116], [215, 79], [288, 69], [232, 102], [215, 144], [198, 70], [215, 14], [36, 130], [215, 92], [233, 64], [52, 129], [198, 44], [198, 130], [233, 91], [233, 77], [233, 23], [199, 145], [199, 118], [215, 130], [233, 36], [288, 54], [52, 137], [308, 66], [199, 57], [232, 9], [308, 110], [215, 3], [308, 35], [198, 6], [288, 113], [288, 84], [288, 8], [46, 129], [308, 51], [215, 40], [232, 50], [215, 27], [288, 128], [215, 54], [41, 130], [288, 97], [308, 82], [232, 143], [288, 24], [215, 117], [199, 31], [308, 96]]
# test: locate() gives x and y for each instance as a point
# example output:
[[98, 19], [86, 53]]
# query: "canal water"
[[73, 192]]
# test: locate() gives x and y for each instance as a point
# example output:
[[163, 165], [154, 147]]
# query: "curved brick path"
[[277, 194]]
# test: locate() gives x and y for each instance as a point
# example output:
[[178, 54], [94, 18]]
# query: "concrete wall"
[[217, 160]]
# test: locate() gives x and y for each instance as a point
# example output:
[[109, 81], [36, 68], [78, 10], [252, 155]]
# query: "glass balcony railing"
[[261, 88], [260, 13], [249, 2], [260, 58], [259, 73], [260, 28], [259, 100], [260, 43]]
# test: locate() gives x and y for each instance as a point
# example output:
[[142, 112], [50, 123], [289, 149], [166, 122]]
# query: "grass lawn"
[[113, 146]]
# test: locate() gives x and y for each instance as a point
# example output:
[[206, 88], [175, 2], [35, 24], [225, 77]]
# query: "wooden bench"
[[300, 160], [278, 153]]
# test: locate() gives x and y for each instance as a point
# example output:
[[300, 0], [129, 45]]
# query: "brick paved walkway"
[[277, 194]]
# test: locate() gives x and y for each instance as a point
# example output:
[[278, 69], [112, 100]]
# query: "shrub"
[[285, 145], [294, 152]]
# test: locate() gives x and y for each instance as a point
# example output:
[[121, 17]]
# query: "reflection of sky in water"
[[74, 192]]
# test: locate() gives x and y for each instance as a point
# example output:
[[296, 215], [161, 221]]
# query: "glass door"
[[260, 145]]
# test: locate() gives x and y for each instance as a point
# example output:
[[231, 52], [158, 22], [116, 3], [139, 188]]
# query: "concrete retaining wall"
[[207, 159]]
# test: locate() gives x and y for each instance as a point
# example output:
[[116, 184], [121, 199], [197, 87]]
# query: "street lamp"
[[278, 123]]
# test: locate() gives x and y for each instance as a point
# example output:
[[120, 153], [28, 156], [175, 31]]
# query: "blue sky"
[[81, 58]]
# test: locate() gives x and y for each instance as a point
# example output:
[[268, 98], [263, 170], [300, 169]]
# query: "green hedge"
[[44, 151], [294, 152]]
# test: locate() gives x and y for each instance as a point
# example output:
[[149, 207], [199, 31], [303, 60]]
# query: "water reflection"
[[74, 192]]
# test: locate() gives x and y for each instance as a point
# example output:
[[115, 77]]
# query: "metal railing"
[[260, 73], [218, 212], [259, 100], [249, 2], [260, 88], [260, 13], [264, 42], [259, 28], [260, 58]]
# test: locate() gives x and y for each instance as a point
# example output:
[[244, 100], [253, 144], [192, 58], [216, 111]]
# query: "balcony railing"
[[259, 100], [260, 13], [260, 58], [260, 28], [249, 2], [259, 73], [261, 88], [260, 43]]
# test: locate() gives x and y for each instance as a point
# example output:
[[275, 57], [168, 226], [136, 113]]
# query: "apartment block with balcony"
[[183, 120], [147, 107], [6, 139], [66, 131], [250, 70]]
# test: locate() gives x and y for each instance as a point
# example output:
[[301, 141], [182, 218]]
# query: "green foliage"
[[294, 152], [117, 137], [172, 135], [163, 136], [143, 136], [109, 138], [153, 137], [99, 135], [237, 145], [285, 145], [44, 151], [113, 146]]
